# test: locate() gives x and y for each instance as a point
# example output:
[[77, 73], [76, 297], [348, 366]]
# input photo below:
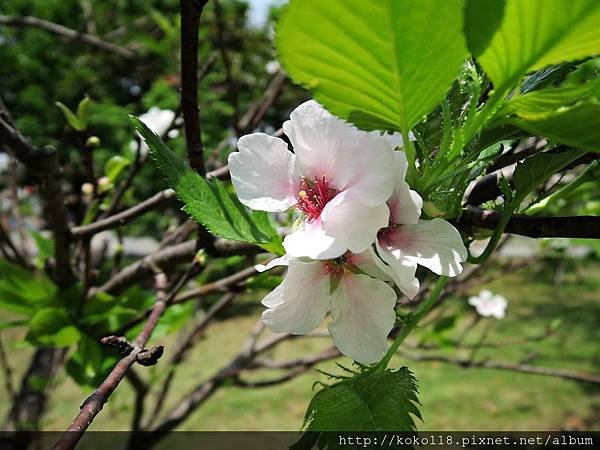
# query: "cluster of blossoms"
[[359, 228]]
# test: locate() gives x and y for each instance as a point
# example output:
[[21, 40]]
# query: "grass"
[[452, 398]]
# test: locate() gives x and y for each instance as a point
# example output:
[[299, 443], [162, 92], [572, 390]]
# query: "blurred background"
[[474, 369]]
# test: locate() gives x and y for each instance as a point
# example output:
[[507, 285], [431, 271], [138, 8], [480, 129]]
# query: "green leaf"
[[91, 363], [381, 401], [83, 110], [22, 291], [577, 125], [536, 33], [12, 323], [114, 166], [482, 19], [538, 168], [71, 118], [381, 64], [545, 102], [210, 202], [52, 327], [45, 248]]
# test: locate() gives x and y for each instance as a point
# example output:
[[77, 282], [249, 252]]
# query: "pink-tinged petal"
[[349, 158], [363, 315], [369, 263], [399, 268], [262, 173], [405, 204], [435, 244], [281, 261], [299, 304], [311, 241], [349, 221]]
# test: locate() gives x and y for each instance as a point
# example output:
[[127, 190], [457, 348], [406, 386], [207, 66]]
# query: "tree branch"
[[190, 23], [514, 367], [73, 35], [123, 217], [587, 227]]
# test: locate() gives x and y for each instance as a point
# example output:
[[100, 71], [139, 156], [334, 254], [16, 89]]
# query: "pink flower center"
[[386, 236], [313, 196]]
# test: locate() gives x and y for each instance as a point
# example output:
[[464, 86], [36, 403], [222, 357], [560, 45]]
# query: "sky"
[[259, 9]]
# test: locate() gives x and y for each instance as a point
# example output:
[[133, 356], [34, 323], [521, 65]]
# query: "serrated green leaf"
[[71, 118], [536, 33], [381, 64], [381, 401], [52, 327], [538, 168], [577, 125], [114, 166], [210, 202]]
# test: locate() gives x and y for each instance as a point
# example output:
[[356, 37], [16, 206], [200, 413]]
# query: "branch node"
[[122, 345], [150, 357]]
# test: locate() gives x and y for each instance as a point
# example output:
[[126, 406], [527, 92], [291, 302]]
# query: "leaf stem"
[[415, 318], [497, 234]]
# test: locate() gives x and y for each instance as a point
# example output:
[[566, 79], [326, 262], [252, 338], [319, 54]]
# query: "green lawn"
[[452, 398]]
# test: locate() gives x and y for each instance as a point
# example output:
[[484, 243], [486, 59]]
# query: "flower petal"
[[262, 173], [405, 204], [370, 264], [400, 269], [348, 157], [351, 222], [435, 244], [363, 315], [311, 241], [299, 304]]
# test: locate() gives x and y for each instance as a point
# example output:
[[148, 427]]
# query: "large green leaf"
[[382, 64], [210, 202], [482, 19], [577, 125], [384, 401], [536, 33]]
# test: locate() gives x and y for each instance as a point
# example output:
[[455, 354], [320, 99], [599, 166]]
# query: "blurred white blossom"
[[489, 304]]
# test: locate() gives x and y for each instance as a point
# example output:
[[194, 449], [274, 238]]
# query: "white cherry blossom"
[[338, 178], [407, 240], [350, 288], [489, 304]]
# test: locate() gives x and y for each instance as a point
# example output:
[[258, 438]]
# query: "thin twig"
[[515, 367], [73, 35], [124, 217], [185, 344]]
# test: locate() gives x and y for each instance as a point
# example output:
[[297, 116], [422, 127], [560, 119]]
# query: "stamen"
[[313, 196]]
